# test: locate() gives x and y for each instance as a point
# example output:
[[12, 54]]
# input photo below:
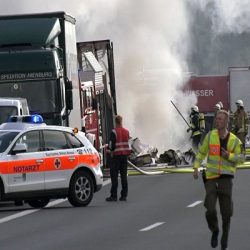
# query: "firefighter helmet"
[[221, 104], [217, 106], [240, 103], [195, 108]]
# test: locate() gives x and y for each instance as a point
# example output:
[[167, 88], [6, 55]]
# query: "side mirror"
[[19, 148], [69, 94]]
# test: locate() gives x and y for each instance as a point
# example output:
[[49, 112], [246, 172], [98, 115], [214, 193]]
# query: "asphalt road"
[[162, 212]]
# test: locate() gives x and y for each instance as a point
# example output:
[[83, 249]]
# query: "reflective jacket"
[[121, 141], [216, 164], [197, 122]]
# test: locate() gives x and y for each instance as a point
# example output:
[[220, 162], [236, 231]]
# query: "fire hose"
[[144, 172]]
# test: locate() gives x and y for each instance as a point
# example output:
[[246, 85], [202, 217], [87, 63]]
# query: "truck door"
[[61, 159], [26, 170]]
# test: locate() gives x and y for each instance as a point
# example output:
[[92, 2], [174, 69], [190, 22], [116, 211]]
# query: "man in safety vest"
[[240, 122], [197, 122], [119, 147], [223, 151]]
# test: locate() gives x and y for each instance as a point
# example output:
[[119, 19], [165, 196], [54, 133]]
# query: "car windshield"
[[6, 137]]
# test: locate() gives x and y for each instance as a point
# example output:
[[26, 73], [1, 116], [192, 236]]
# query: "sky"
[[154, 48]]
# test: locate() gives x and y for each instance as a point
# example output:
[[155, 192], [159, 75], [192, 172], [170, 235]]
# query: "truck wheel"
[[81, 189], [38, 203]]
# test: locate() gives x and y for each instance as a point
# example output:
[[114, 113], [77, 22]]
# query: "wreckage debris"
[[145, 155]]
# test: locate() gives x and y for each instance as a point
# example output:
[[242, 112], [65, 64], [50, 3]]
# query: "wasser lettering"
[[204, 92]]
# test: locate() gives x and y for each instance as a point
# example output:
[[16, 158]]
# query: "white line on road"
[[51, 204], [18, 215], [195, 204], [106, 182], [26, 212], [151, 226]]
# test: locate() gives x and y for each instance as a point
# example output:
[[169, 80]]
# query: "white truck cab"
[[12, 106]]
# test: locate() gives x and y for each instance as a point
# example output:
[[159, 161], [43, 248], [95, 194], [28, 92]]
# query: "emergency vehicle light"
[[26, 119]]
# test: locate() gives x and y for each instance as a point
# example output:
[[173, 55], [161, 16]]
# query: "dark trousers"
[[119, 165], [195, 142], [221, 189], [242, 137]]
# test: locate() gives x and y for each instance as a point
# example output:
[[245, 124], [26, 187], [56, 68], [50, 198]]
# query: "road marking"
[[18, 215], [106, 182], [151, 226], [195, 204], [30, 211], [55, 202]]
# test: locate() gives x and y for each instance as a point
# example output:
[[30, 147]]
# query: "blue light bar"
[[36, 119]]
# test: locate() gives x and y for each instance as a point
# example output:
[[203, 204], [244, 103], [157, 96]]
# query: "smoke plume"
[[156, 43]]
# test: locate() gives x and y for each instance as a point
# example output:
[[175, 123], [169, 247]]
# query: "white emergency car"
[[40, 162]]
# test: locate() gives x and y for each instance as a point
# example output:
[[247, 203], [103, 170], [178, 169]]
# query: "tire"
[[1, 189], [81, 189], [40, 203]]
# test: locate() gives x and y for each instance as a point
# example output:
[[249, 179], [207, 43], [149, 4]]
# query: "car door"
[[61, 159], [26, 170]]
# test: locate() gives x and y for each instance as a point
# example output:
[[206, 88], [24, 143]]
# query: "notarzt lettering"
[[32, 168]]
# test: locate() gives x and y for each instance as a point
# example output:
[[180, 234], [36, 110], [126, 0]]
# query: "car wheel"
[[38, 203], [81, 189]]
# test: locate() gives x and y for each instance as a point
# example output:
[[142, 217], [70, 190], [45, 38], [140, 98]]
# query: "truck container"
[[209, 90], [239, 82], [97, 78]]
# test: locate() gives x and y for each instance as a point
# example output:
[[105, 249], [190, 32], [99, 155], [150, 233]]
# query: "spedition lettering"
[[31, 75]]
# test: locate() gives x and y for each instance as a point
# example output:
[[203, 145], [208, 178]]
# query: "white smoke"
[[227, 16], [151, 43]]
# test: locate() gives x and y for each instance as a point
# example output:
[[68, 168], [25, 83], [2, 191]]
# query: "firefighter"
[[197, 125], [224, 152], [240, 122], [119, 151]]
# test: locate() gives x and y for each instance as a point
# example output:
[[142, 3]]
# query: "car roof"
[[22, 126]]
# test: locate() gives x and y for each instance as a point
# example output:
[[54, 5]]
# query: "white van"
[[12, 106]]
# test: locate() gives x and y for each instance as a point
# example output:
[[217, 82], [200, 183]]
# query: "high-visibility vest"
[[216, 164], [202, 121], [121, 145]]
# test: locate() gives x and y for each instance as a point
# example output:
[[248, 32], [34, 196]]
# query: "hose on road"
[[144, 172]]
